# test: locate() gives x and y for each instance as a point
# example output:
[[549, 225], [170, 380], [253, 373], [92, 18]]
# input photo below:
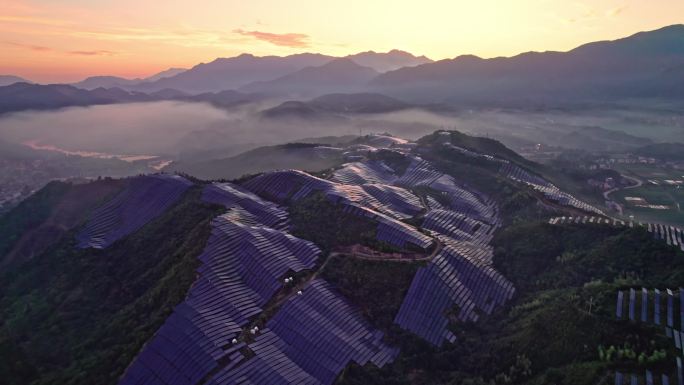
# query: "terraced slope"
[[260, 311], [145, 198]]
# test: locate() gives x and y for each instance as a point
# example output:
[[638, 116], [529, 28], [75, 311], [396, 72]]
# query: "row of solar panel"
[[648, 379], [242, 267], [452, 279], [145, 198], [458, 226], [634, 302], [552, 192], [674, 236], [309, 341], [230, 195]]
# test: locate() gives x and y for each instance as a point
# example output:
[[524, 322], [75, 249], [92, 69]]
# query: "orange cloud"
[[92, 53], [293, 40], [31, 47]]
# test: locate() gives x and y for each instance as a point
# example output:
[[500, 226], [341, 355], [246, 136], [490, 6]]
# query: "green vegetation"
[[665, 195], [561, 327], [397, 161], [74, 316], [317, 219], [377, 287], [29, 214], [517, 203]]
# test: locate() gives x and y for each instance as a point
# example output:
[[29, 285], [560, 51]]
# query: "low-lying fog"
[[173, 128], [201, 131]]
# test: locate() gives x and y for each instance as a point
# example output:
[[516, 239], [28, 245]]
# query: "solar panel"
[[242, 268], [145, 198]]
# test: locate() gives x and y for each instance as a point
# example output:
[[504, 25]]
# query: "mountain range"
[[646, 64], [6, 80]]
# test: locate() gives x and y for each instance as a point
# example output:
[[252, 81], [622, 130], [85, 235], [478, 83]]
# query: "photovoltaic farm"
[[145, 198], [519, 174], [259, 313], [313, 332]]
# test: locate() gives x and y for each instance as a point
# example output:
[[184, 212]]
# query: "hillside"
[[414, 262]]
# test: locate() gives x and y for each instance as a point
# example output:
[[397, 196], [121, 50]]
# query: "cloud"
[[92, 53], [31, 47], [616, 11], [293, 40]]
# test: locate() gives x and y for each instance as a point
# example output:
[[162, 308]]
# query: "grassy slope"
[[30, 213], [127, 289]]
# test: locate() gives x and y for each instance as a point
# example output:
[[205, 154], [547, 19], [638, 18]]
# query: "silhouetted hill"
[[165, 74], [6, 80], [299, 110], [357, 103], [25, 96], [105, 82], [337, 75], [228, 73], [388, 61], [632, 66], [93, 82], [22, 96]]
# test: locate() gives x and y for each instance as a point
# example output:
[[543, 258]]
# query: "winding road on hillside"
[[637, 183]]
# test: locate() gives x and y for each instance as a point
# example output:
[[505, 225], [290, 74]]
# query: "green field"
[[661, 194], [648, 171], [655, 195]]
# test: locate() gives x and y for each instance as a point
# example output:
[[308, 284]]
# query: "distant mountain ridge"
[[341, 75], [633, 66], [93, 82], [6, 80], [235, 72], [25, 96], [392, 60]]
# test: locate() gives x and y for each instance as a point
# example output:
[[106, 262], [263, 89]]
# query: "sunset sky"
[[67, 40]]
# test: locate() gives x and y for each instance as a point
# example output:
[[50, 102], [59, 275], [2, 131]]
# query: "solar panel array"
[[549, 190], [517, 173], [242, 267], [310, 340], [145, 198], [461, 275], [390, 230], [232, 196], [456, 277], [458, 226], [419, 173], [648, 379], [667, 319], [364, 172], [392, 203], [674, 236]]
